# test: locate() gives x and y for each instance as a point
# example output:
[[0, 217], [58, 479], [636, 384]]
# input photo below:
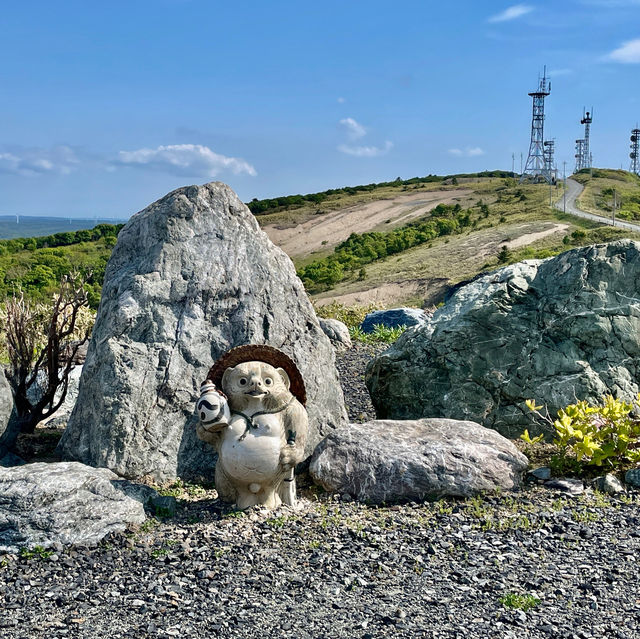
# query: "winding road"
[[573, 191]]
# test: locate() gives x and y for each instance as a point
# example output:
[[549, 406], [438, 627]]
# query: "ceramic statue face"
[[251, 383]]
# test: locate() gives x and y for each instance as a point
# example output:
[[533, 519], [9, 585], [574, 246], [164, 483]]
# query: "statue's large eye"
[[268, 381], [242, 381]]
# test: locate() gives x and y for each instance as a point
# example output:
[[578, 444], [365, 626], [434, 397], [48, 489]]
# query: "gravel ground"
[[336, 568]]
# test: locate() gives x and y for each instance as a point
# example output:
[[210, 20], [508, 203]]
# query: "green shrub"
[[594, 434], [351, 316], [380, 334]]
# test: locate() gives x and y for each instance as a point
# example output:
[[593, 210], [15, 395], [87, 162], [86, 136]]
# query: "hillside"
[[505, 222], [391, 243], [599, 188]]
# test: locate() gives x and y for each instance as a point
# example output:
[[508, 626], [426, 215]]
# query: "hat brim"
[[261, 353]]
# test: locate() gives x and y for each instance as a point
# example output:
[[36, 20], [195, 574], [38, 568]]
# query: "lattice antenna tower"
[[549, 165], [583, 154], [635, 151], [535, 169], [579, 155]]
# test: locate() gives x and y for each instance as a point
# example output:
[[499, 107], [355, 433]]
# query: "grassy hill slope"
[[392, 243], [598, 194]]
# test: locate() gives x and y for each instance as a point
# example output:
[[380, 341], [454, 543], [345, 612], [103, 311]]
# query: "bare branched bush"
[[39, 345]]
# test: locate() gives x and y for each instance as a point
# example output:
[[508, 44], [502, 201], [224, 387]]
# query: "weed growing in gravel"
[[476, 507], [521, 602], [234, 514], [180, 489], [442, 507], [279, 522], [149, 525], [37, 552], [584, 515]]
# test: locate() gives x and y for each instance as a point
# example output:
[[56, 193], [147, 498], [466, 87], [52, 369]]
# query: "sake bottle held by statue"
[[212, 407]]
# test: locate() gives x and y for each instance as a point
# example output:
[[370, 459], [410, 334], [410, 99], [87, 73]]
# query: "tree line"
[[360, 249]]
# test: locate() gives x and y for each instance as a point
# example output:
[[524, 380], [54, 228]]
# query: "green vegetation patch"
[[36, 265], [361, 249], [607, 186]]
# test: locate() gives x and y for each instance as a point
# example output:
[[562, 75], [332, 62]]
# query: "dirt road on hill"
[[334, 227], [574, 189]]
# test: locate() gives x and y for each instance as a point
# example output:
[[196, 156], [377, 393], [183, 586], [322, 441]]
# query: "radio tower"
[[635, 151], [549, 148], [535, 169], [583, 155]]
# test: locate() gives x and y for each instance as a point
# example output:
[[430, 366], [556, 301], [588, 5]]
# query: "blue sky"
[[106, 106]]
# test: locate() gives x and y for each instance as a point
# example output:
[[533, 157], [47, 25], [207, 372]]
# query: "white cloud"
[[36, 161], [628, 53], [511, 13], [341, 100], [366, 151], [468, 152], [354, 129], [188, 160]]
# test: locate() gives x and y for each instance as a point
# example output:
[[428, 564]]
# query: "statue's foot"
[[267, 498]]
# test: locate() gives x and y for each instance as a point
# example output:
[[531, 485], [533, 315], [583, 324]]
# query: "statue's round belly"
[[254, 459]]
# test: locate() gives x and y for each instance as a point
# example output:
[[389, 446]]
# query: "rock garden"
[[420, 511]]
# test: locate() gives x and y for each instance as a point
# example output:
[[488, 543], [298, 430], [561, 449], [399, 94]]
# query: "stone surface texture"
[[60, 418], [337, 332], [391, 461], [554, 330], [632, 477], [609, 484], [8, 426], [62, 503], [190, 277], [394, 318]]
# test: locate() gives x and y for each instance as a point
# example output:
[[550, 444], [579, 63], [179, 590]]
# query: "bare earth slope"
[[334, 227]]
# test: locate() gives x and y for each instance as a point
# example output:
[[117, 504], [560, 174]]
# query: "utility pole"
[[513, 164], [613, 211], [520, 162]]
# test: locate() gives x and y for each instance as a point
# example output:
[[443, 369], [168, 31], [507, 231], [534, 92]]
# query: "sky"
[[105, 106]]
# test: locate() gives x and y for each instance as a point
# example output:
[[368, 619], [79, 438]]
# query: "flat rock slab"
[[392, 460], [62, 503]]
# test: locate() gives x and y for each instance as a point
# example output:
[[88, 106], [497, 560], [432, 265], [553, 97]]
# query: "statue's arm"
[[296, 426], [210, 436]]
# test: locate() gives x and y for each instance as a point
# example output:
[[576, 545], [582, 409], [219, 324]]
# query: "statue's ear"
[[285, 377], [225, 378]]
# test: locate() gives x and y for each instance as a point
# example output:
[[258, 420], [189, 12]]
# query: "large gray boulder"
[[190, 277], [9, 426], [390, 461], [554, 330], [62, 503]]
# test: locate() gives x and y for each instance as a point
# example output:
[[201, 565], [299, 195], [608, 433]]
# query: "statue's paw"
[[214, 428]]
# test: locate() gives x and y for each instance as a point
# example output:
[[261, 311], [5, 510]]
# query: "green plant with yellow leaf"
[[605, 434]]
